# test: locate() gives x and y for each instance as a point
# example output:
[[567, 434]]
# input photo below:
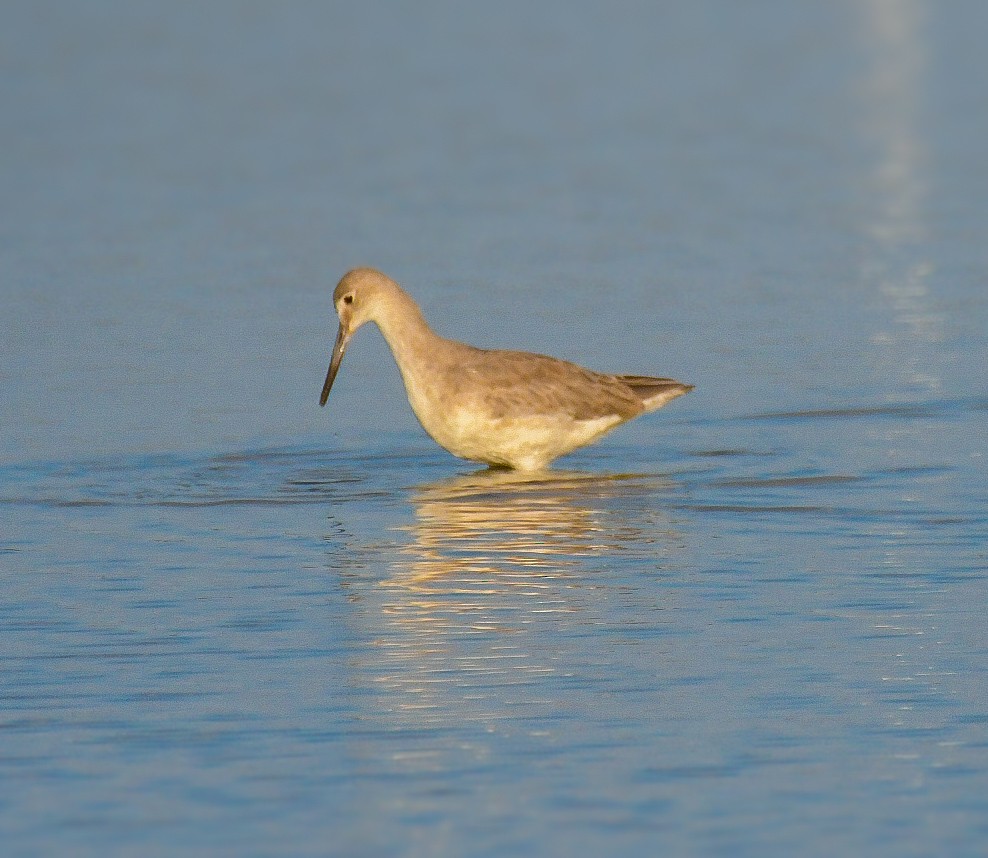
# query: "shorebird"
[[504, 408]]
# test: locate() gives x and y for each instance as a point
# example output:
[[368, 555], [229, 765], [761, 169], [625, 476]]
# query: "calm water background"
[[753, 623]]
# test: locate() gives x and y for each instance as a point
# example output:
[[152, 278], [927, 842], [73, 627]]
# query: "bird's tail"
[[655, 392]]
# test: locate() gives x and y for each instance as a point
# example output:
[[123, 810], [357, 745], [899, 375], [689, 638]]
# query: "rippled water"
[[750, 624], [290, 648]]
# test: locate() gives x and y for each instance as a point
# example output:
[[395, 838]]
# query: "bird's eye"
[[348, 299]]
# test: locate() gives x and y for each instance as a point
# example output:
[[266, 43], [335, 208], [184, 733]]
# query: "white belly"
[[527, 443]]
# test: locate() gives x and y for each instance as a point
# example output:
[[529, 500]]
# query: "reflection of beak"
[[342, 338]]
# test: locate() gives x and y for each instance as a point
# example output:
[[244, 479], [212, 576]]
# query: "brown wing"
[[519, 384]]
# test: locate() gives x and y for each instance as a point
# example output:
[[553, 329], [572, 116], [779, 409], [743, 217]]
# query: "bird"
[[505, 409]]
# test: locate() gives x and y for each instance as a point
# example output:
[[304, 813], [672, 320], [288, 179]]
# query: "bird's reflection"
[[499, 528], [497, 581]]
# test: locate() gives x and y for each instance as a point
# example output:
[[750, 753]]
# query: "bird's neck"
[[407, 333]]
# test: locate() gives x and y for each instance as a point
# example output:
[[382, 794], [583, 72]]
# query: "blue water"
[[750, 624]]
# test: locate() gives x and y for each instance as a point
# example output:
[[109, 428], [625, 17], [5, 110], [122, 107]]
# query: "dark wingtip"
[[655, 392]]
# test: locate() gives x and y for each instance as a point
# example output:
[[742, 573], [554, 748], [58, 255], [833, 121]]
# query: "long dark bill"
[[342, 338]]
